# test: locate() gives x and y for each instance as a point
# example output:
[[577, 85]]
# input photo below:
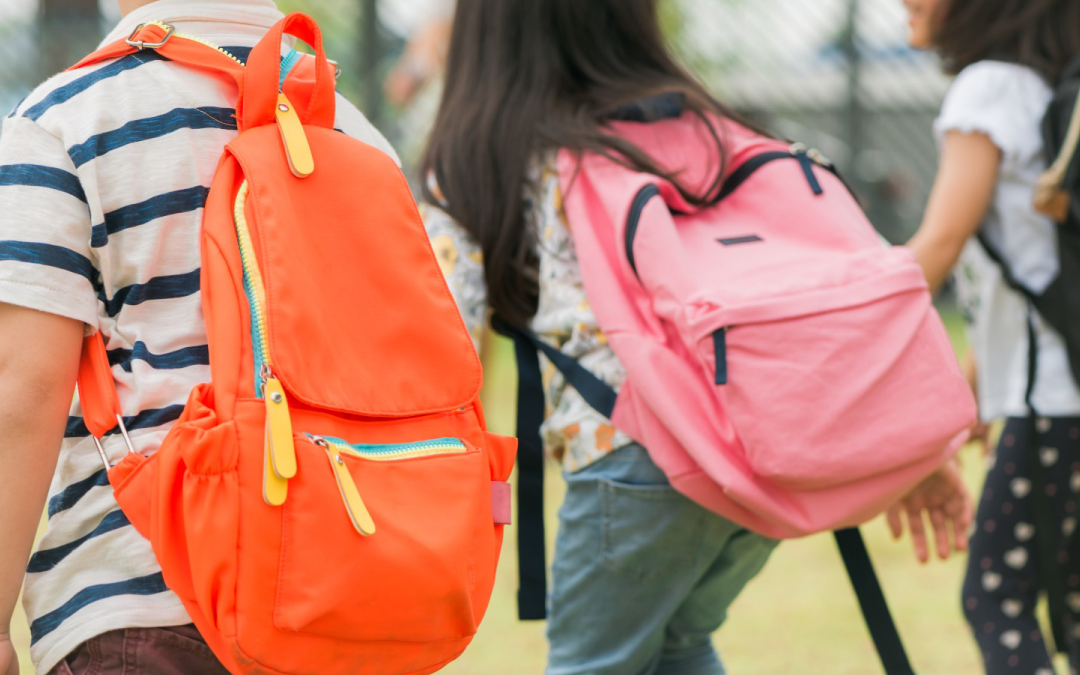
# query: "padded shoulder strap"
[[97, 390], [166, 42]]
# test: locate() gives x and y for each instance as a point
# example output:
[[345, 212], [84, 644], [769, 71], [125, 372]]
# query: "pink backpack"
[[784, 368]]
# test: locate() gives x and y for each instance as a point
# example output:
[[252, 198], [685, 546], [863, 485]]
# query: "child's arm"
[[39, 360], [963, 189]]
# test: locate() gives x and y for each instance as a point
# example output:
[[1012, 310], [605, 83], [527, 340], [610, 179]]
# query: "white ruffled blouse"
[[1007, 103]]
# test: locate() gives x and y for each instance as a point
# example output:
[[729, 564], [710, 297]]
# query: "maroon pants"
[[178, 650]]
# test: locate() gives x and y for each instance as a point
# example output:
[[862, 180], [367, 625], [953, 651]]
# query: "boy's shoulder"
[[77, 104], [51, 96]]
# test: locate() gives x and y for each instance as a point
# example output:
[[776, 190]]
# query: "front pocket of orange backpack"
[[377, 540]]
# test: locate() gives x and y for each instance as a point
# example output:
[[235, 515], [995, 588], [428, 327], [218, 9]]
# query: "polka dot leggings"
[[1002, 584]]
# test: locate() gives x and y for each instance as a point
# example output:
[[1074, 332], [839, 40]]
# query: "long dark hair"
[[1041, 34], [525, 76]]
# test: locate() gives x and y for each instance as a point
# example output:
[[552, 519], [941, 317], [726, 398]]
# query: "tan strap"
[[1050, 196]]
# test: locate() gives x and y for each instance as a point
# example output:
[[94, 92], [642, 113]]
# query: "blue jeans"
[[642, 575]]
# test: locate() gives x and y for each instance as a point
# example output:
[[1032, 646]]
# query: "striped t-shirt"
[[103, 176]]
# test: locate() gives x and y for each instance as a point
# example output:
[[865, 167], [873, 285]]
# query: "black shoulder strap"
[[875, 609], [532, 560], [1006, 271], [532, 555]]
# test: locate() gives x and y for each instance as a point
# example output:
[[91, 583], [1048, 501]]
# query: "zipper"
[[394, 451], [801, 153], [720, 354], [206, 43], [636, 207], [807, 158], [297, 148], [358, 512], [280, 451]]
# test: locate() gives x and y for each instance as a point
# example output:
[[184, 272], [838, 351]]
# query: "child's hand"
[[946, 500], [9, 660]]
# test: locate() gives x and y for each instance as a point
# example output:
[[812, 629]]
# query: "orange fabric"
[[97, 393], [369, 347], [354, 221], [257, 107], [177, 49]]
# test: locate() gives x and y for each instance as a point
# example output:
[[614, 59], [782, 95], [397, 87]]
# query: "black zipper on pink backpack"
[[636, 207], [797, 152], [807, 159]]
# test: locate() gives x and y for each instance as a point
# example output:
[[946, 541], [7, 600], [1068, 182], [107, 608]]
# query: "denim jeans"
[[642, 575]]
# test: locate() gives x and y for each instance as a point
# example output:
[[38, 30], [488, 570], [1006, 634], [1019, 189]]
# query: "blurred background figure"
[[419, 30], [983, 225], [424, 27]]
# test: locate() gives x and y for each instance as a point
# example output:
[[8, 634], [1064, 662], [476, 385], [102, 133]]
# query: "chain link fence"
[[833, 74]]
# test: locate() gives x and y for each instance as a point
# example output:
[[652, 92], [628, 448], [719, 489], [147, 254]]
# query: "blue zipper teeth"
[[192, 38], [438, 446], [287, 64], [251, 287]]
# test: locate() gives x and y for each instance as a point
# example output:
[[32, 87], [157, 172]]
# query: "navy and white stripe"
[[80, 84], [101, 203], [133, 215], [46, 624], [70, 495], [35, 175], [151, 128], [158, 288], [198, 355]]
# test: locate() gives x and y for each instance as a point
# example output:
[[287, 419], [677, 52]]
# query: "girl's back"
[[642, 576]]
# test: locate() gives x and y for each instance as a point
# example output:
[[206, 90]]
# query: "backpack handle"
[[259, 97]]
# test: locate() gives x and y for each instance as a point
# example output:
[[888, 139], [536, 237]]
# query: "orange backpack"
[[331, 501]]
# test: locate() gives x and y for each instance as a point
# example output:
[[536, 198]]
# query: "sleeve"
[[1005, 101], [462, 265], [45, 229]]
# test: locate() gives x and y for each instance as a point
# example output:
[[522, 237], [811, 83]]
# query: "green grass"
[[798, 616]]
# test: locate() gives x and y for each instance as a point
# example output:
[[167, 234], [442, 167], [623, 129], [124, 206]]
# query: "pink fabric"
[[843, 388], [500, 502]]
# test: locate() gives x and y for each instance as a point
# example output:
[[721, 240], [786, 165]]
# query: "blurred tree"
[[68, 29]]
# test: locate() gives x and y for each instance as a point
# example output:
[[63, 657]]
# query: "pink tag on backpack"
[[500, 502]]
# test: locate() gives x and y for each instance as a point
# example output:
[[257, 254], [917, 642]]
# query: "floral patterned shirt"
[[572, 430]]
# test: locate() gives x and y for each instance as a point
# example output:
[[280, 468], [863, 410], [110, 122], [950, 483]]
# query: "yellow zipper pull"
[[279, 434], [354, 505], [297, 149], [275, 488]]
